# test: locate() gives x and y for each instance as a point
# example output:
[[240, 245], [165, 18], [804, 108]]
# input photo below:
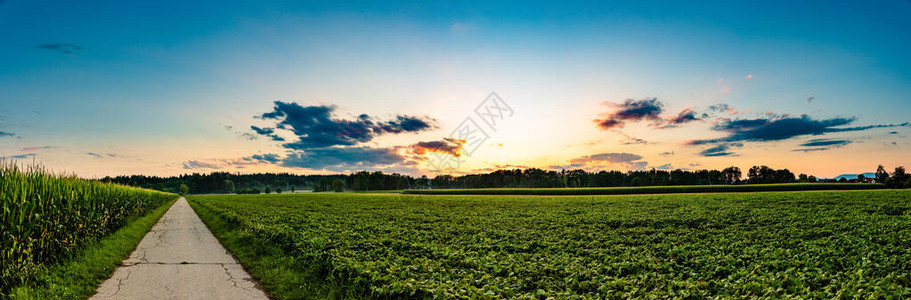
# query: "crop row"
[[809, 245], [652, 189], [45, 217]]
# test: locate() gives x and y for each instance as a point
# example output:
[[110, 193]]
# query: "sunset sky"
[[102, 88]]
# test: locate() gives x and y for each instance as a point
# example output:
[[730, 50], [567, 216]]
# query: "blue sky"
[[166, 87]]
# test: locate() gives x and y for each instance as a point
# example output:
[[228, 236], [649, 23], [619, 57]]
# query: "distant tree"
[[338, 185], [278, 190], [184, 189], [899, 179], [731, 175], [229, 186], [881, 175], [842, 180], [861, 178], [803, 178], [268, 190], [292, 188], [812, 179]]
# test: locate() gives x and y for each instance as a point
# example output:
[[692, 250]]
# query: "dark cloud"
[[776, 129], [65, 48], [721, 150], [893, 132], [810, 99], [267, 158], [317, 127], [344, 158], [825, 143], [822, 145], [269, 132], [669, 153], [629, 111], [4, 133], [447, 145], [685, 116]]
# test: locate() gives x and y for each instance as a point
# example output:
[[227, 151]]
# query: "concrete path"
[[180, 259]]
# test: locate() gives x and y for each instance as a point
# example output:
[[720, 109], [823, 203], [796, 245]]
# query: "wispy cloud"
[[822, 145], [721, 150], [776, 129], [65, 48], [37, 148], [102, 155], [604, 160], [5, 134], [20, 156]]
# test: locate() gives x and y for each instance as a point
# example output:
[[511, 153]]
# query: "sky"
[[101, 88]]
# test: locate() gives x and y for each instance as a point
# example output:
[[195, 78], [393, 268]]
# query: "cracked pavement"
[[180, 259]]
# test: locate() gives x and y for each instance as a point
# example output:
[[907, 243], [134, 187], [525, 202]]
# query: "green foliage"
[[78, 277], [654, 189], [748, 245], [268, 190], [248, 191], [184, 189], [45, 218], [338, 185]]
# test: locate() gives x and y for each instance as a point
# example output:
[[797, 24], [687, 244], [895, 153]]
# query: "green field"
[[780, 187], [843, 244]]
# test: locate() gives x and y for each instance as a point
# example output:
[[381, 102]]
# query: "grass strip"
[[681, 189], [78, 277]]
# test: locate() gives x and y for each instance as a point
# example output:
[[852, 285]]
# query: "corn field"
[[46, 217]]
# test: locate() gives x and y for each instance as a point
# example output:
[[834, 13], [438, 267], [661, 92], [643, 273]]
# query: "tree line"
[[223, 182]]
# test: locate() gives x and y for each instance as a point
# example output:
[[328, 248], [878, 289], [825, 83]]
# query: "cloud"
[[102, 155], [724, 108], [36, 148], [345, 158], [316, 127], [447, 145], [749, 76], [629, 140], [65, 48], [810, 99], [459, 28], [782, 128], [630, 111], [721, 150], [266, 158], [665, 167], [195, 164], [685, 116], [669, 153], [822, 145], [603, 160], [4, 134], [607, 157], [20, 156], [269, 132]]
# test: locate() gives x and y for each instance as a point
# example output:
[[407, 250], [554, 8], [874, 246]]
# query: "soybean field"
[[843, 244]]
